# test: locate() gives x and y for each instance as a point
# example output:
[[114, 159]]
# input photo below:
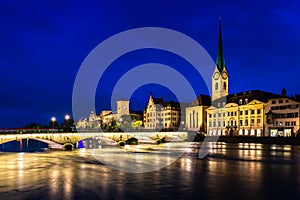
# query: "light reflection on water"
[[230, 170]]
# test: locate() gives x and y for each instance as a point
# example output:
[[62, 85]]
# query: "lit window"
[[258, 122]]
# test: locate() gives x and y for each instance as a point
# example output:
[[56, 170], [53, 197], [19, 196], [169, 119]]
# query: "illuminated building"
[[282, 115], [160, 115], [242, 113], [195, 114]]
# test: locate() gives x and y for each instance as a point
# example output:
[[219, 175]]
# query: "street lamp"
[[67, 117], [53, 119], [66, 125]]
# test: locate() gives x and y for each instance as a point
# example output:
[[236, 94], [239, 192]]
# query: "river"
[[244, 171]]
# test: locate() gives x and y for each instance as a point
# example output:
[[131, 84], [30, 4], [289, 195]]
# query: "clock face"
[[216, 75], [224, 75]]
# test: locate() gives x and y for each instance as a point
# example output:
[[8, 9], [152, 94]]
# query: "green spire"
[[220, 57]]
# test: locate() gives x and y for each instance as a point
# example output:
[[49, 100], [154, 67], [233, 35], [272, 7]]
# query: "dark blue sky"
[[43, 44]]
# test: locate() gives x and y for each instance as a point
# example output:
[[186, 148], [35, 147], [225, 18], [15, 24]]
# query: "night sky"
[[43, 44]]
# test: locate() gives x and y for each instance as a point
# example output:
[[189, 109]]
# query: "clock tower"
[[220, 76]]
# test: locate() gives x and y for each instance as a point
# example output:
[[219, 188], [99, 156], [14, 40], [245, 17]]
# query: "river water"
[[247, 171]]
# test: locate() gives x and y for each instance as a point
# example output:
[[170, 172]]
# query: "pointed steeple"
[[220, 57]]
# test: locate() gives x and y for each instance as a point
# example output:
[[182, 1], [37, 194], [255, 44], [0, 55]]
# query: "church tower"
[[220, 76], [122, 107]]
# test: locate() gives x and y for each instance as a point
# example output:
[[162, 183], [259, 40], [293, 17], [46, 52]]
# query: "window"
[[274, 102], [241, 122], [246, 122], [224, 123], [228, 113], [224, 86], [216, 86], [190, 120], [214, 114], [214, 123], [219, 114], [246, 101], [252, 121], [258, 111], [197, 120], [241, 101], [219, 124], [276, 123], [258, 122], [293, 123], [223, 114], [210, 123], [246, 112], [287, 123], [241, 112], [252, 112], [209, 115], [280, 101]]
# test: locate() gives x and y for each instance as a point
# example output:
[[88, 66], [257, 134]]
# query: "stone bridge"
[[56, 139]]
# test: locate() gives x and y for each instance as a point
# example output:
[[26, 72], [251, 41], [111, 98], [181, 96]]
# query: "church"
[[249, 113]]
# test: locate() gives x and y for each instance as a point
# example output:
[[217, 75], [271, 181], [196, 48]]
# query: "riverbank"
[[249, 139]]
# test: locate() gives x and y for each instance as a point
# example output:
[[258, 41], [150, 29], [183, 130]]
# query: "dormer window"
[[246, 101], [241, 101]]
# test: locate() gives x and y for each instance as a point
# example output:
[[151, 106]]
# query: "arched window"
[[224, 86], [216, 86]]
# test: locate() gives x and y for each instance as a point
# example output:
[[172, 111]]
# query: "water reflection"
[[229, 171]]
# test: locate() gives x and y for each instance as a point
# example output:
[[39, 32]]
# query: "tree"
[[68, 125], [53, 124], [33, 125], [125, 123]]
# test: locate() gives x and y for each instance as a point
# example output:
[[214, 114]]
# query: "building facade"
[[282, 117], [240, 114], [108, 119], [160, 115], [196, 114]]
